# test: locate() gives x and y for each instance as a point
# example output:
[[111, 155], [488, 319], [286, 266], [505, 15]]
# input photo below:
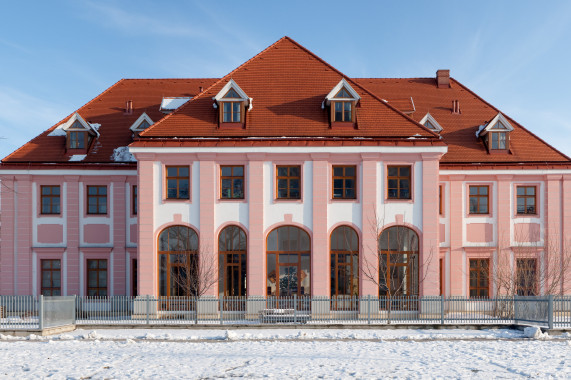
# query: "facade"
[[286, 177]]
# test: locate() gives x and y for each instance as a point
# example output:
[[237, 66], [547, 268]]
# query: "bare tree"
[[527, 267], [193, 274], [533, 267], [396, 269]]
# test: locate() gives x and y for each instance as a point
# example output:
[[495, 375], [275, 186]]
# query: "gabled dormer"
[[341, 101], [232, 103], [496, 134], [142, 123], [430, 122], [78, 133]]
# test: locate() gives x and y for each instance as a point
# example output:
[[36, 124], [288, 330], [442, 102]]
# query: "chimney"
[[129, 107], [456, 107], [443, 78], [200, 89]]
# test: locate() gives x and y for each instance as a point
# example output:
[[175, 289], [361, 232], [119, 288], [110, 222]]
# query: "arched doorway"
[[178, 262], [288, 262], [344, 251], [398, 262], [232, 262]]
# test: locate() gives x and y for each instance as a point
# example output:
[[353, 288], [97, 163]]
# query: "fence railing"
[[27, 312]]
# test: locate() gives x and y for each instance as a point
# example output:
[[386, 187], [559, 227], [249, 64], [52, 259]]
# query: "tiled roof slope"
[[459, 130], [288, 85], [108, 109]]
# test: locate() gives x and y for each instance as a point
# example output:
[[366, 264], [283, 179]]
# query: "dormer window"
[[342, 100], [498, 140], [430, 122], [76, 140], [496, 134], [143, 122], [232, 102], [79, 133]]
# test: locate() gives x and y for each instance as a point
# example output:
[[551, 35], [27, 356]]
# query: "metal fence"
[[26, 312]]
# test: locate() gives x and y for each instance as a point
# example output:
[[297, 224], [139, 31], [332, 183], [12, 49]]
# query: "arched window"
[[398, 262], [288, 262], [232, 262], [344, 266], [178, 262]]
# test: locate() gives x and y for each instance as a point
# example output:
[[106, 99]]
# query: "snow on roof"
[[172, 103], [122, 154], [77, 157]]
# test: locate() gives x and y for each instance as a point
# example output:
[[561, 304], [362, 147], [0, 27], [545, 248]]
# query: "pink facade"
[[286, 177]]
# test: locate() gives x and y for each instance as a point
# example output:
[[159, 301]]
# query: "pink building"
[[285, 177]]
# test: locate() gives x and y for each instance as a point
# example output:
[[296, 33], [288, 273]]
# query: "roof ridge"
[[510, 118], [50, 129]]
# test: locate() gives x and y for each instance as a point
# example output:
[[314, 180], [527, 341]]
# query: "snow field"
[[286, 353]]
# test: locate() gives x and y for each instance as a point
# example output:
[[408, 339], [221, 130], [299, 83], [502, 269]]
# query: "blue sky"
[[57, 55]]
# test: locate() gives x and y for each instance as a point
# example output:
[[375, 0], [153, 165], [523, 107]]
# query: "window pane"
[[337, 171], [226, 171], [521, 206], [226, 188], [393, 171], [91, 190], [483, 205], [404, 171], [531, 190], [294, 171], [520, 190], [350, 171], [183, 188], [238, 188], [473, 190], [483, 190], [238, 171], [473, 205], [282, 171]]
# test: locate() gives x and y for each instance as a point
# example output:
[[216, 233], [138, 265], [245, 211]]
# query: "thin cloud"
[[24, 116]]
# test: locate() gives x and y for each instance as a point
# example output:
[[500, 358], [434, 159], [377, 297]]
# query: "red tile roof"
[[108, 109], [459, 130], [288, 85]]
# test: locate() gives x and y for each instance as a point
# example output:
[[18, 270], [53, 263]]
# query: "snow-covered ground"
[[287, 353]]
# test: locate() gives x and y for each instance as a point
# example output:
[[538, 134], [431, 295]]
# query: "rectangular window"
[[97, 199], [50, 198], [479, 278], [288, 180], [344, 181], [178, 182], [134, 205], [232, 182], [231, 112], [51, 277], [526, 200], [440, 200], [398, 180], [343, 111], [97, 278], [498, 140], [76, 140], [526, 274], [479, 199]]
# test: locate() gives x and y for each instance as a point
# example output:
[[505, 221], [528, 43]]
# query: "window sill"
[[288, 200], [399, 200]]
